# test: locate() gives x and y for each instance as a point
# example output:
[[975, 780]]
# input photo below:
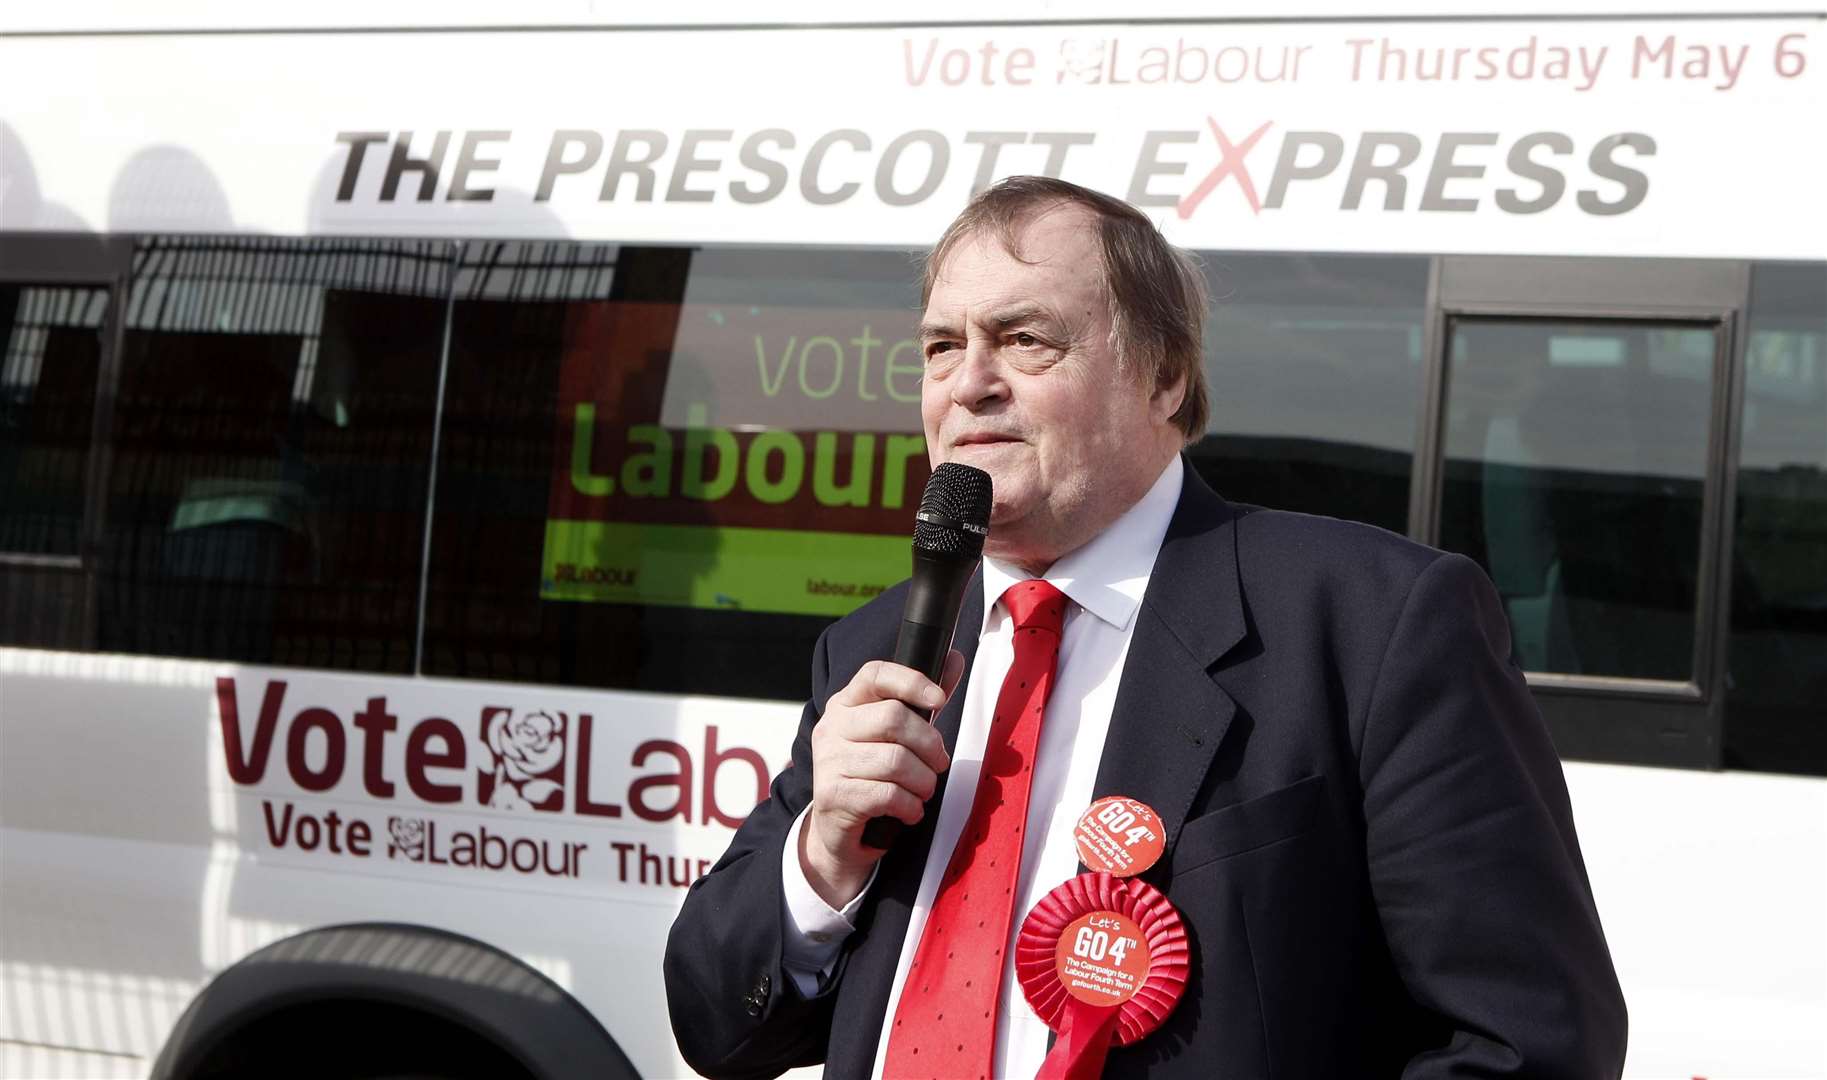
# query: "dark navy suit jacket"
[[1368, 831]]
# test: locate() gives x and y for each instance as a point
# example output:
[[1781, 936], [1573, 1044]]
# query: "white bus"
[[429, 452]]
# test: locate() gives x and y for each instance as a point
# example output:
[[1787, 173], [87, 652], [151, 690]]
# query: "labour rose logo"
[[528, 754], [406, 836]]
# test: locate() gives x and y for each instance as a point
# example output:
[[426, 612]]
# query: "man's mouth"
[[983, 439]]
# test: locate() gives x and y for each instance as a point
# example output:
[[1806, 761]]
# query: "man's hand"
[[874, 754]]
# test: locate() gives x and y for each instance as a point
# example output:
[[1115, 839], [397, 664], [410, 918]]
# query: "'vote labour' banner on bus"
[[1689, 137], [734, 457]]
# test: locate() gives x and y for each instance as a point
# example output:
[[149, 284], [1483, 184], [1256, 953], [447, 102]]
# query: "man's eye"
[[937, 347], [1026, 340]]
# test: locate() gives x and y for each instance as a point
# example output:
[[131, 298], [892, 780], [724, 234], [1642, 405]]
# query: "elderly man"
[[1367, 831]]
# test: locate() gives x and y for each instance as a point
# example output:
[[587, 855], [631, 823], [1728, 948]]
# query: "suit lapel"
[[1170, 716]]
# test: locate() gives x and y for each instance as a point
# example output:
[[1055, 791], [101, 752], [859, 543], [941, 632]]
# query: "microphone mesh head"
[[954, 511]]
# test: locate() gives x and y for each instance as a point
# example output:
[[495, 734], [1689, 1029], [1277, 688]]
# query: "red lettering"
[[913, 78], [713, 760], [376, 722], [420, 757], [637, 791], [248, 768], [585, 722], [276, 831], [303, 724]]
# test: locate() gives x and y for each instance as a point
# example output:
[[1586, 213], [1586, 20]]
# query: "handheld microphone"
[[954, 518]]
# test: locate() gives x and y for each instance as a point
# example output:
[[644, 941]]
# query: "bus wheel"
[[359, 1040], [386, 1001]]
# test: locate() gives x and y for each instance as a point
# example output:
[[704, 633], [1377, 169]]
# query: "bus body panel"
[[169, 870]]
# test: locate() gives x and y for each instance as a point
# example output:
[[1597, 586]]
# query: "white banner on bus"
[[1632, 137], [579, 792]]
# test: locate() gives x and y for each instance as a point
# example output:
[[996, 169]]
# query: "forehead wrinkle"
[[1024, 311], [1009, 311], [1013, 244], [1001, 318], [932, 328]]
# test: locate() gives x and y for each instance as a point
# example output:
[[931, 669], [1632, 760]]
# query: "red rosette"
[[1037, 945]]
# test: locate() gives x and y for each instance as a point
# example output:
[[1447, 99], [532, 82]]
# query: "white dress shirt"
[[1105, 581]]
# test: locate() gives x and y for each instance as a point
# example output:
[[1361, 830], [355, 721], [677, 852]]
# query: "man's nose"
[[979, 380]]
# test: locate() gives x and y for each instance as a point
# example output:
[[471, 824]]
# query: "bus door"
[[60, 299], [1577, 442]]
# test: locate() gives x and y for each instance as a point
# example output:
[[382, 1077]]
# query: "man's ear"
[[1167, 399]]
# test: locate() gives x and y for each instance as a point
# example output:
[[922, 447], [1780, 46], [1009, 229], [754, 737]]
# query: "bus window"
[[47, 406], [1314, 363], [668, 469], [272, 441], [1776, 699], [1575, 460], [49, 366]]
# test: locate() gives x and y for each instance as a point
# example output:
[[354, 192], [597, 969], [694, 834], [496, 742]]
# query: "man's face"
[[1022, 382]]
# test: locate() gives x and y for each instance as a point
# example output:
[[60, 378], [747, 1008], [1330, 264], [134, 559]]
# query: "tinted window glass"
[[48, 371], [272, 445], [669, 469], [1315, 370], [1776, 704], [1575, 457]]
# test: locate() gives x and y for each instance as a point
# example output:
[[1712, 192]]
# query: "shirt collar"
[[1108, 575]]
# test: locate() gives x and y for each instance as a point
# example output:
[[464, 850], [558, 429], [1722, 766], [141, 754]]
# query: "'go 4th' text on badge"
[[1102, 958], [1120, 836]]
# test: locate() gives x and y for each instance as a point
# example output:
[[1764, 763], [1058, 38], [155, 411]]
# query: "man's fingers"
[[898, 765], [903, 728], [913, 763], [880, 680], [874, 754], [869, 799], [927, 744], [883, 722]]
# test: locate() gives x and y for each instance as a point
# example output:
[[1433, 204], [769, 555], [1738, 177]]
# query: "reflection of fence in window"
[[520, 308], [272, 286], [514, 304], [38, 312], [272, 446], [528, 270], [47, 403]]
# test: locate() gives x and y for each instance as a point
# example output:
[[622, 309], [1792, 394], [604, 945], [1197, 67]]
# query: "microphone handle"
[[923, 646]]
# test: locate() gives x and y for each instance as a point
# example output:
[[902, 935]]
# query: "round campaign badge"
[[1120, 836], [1102, 958]]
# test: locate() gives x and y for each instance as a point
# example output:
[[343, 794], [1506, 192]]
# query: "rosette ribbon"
[[1088, 1031]]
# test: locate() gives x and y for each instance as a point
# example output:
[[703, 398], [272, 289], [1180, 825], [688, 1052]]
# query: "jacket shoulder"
[[1289, 548]]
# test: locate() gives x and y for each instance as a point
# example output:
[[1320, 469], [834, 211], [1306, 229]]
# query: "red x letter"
[[1230, 163]]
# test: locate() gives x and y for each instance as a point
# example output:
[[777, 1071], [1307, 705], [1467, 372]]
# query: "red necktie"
[[945, 1025]]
